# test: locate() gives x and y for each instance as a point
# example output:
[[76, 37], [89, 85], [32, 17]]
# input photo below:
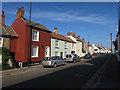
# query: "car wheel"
[[55, 65], [65, 63], [74, 61]]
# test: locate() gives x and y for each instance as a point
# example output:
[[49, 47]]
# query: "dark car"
[[87, 56]]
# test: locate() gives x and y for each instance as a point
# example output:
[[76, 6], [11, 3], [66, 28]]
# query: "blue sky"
[[92, 20]]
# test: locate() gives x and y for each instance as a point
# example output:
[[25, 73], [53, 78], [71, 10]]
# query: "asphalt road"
[[72, 75]]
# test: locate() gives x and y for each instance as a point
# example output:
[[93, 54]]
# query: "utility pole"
[[111, 42], [29, 38]]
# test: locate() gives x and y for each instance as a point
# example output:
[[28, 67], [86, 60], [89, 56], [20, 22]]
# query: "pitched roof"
[[61, 37], [37, 25], [7, 31]]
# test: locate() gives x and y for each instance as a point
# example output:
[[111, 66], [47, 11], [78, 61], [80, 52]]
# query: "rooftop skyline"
[[93, 21]]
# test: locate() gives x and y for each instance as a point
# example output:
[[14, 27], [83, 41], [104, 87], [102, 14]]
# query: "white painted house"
[[77, 46], [96, 49], [60, 44]]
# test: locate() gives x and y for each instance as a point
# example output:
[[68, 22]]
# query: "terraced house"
[[33, 42], [60, 44], [7, 34], [77, 46]]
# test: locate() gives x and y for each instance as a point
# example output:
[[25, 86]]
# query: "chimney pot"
[[20, 13]]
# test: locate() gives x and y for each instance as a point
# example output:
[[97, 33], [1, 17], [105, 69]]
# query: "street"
[[72, 75]]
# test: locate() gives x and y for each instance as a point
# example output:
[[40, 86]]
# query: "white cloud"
[[71, 16]]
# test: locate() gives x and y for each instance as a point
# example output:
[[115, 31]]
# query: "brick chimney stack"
[[74, 35], [55, 30], [2, 19], [83, 39], [20, 13], [88, 43], [78, 36], [69, 33]]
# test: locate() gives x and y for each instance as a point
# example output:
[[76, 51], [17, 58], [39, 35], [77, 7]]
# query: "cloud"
[[72, 16]]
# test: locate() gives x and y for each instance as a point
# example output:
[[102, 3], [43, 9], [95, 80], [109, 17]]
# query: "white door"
[[47, 51]]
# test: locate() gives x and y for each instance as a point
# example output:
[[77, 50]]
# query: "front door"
[[61, 54]]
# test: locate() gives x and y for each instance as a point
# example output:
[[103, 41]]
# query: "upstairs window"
[[35, 35], [65, 44], [56, 44]]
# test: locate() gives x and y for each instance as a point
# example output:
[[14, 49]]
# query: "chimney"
[[88, 43], [74, 35], [83, 39], [20, 13], [69, 33], [78, 37], [2, 19], [55, 30]]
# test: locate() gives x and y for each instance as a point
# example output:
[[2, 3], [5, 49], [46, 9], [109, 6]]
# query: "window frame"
[[36, 51], [37, 35]]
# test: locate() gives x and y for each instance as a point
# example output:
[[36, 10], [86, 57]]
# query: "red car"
[[94, 53]]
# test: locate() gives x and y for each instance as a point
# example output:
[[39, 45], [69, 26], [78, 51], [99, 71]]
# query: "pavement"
[[110, 76]]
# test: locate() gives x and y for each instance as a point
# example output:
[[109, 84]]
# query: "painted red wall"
[[44, 39], [20, 45]]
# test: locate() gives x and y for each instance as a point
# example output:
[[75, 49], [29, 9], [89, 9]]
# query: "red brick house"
[[35, 49]]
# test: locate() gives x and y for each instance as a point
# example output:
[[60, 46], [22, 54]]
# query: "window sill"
[[35, 40], [34, 57], [57, 47]]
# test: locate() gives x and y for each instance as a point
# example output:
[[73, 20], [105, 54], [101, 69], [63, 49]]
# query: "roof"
[[37, 25], [7, 31], [61, 37]]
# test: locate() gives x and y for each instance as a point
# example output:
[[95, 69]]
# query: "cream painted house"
[[77, 46], [60, 44]]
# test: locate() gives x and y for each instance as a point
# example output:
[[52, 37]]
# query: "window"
[[35, 36], [72, 45], [34, 51], [56, 53], [56, 43], [65, 44], [65, 54]]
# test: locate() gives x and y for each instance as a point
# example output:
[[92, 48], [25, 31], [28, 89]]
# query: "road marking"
[[94, 77]]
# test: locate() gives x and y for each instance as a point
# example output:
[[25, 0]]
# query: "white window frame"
[[65, 53], [37, 35], [56, 52], [36, 51], [56, 43], [65, 45]]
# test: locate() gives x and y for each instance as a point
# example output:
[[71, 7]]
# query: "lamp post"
[[111, 42]]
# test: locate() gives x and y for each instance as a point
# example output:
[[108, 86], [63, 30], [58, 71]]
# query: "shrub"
[[5, 57]]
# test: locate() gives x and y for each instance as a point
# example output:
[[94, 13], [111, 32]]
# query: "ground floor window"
[[56, 53], [34, 51], [65, 54]]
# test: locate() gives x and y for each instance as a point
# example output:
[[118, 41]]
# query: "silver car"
[[73, 58], [53, 61]]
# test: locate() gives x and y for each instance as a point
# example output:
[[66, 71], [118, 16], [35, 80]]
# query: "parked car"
[[87, 56], [72, 58], [94, 53], [53, 61]]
